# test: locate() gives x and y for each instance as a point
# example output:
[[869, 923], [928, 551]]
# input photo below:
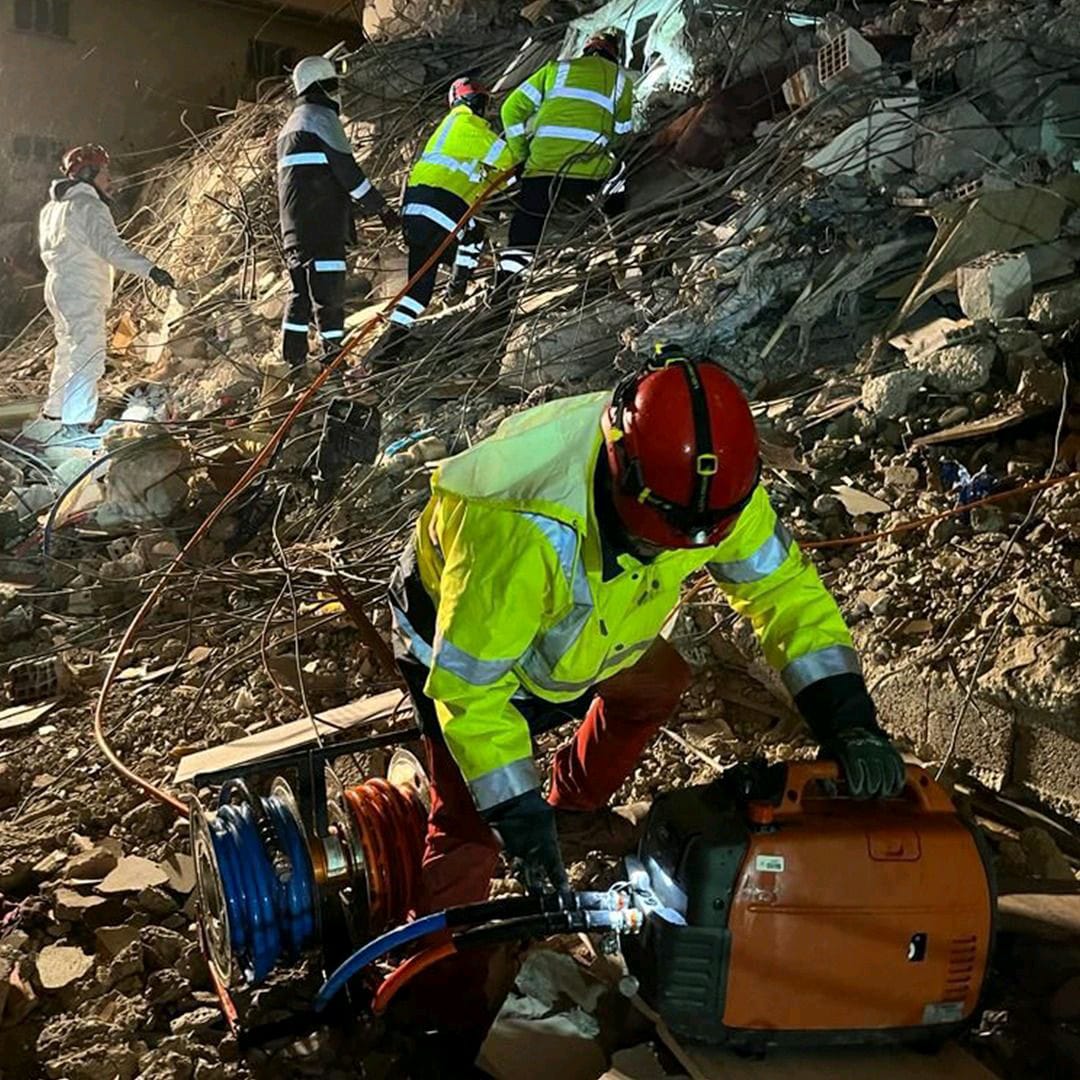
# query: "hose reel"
[[283, 873]]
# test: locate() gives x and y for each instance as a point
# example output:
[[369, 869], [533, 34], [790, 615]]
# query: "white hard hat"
[[310, 70]]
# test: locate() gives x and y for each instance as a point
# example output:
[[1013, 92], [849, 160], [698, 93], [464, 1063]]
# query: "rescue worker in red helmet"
[[81, 248], [564, 122], [458, 161], [534, 591]]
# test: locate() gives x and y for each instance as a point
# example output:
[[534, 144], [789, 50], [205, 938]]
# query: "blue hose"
[[268, 916], [374, 950]]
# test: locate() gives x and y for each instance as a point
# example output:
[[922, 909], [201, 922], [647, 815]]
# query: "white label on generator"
[[943, 1012], [769, 864]]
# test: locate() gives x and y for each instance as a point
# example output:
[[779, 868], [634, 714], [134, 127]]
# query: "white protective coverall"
[[79, 247]]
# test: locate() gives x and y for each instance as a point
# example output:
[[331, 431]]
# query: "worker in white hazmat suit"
[[80, 247]]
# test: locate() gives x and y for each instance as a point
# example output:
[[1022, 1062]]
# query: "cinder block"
[[846, 57], [995, 287], [1047, 763], [802, 87]]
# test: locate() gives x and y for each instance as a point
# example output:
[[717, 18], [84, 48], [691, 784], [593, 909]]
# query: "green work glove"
[[871, 767], [841, 714]]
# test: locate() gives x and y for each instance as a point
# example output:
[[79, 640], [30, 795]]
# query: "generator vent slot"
[[963, 956]]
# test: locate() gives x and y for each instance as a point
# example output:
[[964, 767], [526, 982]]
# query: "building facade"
[[133, 75]]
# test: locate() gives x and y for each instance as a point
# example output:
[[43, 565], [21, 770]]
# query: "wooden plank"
[[289, 736], [849, 1062], [13, 414], [974, 429], [1049, 916], [20, 718]]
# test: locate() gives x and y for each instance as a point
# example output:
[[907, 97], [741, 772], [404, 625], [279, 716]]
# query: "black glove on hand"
[[872, 768], [160, 276], [526, 827], [842, 716], [390, 218]]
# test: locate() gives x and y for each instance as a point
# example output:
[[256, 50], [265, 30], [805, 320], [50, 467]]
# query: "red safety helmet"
[[466, 91], [604, 44], [78, 158], [683, 452]]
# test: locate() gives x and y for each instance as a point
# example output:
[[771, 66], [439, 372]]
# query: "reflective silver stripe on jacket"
[[360, 190], [492, 156], [295, 327], [514, 130], [548, 648], [330, 266], [407, 640], [470, 167], [505, 782], [314, 157], [815, 666], [613, 659], [768, 558], [530, 91], [471, 668], [574, 134]]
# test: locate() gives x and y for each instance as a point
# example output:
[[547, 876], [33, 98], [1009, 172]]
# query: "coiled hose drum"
[[262, 879]]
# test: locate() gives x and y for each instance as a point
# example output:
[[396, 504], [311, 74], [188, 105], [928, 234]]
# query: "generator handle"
[[931, 796]]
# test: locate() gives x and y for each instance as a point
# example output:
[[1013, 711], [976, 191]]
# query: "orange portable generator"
[[779, 911]]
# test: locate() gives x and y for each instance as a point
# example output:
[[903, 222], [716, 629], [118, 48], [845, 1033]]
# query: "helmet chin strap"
[[613, 532]]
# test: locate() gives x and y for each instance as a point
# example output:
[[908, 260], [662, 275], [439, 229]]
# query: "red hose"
[[392, 835], [406, 972]]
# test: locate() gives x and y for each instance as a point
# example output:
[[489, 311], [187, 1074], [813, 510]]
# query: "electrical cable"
[[534, 925]]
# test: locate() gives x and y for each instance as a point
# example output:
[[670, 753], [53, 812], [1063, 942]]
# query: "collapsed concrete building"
[[873, 222]]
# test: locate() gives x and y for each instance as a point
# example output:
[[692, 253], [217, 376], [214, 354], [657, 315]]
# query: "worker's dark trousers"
[[424, 237], [539, 197], [318, 294]]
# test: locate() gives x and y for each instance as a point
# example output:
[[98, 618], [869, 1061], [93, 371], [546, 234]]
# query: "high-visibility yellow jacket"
[[463, 153], [566, 118], [508, 548]]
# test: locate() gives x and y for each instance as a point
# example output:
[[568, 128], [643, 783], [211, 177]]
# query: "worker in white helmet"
[[319, 184], [80, 247]]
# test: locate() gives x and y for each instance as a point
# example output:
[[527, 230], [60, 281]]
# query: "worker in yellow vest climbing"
[[564, 123], [458, 161], [534, 591]]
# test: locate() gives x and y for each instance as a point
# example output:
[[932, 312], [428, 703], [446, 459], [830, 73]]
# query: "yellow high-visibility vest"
[[463, 153], [566, 118], [508, 548]]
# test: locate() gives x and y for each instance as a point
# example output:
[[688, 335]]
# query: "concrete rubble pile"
[[873, 221]]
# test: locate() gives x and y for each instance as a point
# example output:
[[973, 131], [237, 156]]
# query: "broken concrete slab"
[[1055, 309], [59, 966], [95, 863], [72, 906], [935, 335], [959, 369], [888, 395], [132, 874], [958, 141], [995, 286], [879, 144]]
